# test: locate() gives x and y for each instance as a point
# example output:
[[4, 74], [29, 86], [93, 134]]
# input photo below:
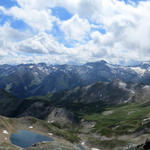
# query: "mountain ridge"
[[27, 80]]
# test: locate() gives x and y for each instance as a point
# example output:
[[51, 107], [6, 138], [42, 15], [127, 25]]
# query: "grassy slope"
[[124, 119], [121, 124]]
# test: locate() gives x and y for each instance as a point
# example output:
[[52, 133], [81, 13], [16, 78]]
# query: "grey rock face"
[[145, 146], [62, 116]]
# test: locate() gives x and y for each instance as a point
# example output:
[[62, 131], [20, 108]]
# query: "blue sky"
[[59, 12], [8, 3], [74, 31]]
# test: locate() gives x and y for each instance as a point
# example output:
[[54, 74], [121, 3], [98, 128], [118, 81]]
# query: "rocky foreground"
[[145, 146], [41, 146]]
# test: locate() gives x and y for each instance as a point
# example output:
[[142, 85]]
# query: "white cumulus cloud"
[[127, 28], [75, 28]]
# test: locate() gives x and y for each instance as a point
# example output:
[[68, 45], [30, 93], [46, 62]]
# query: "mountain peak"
[[102, 62]]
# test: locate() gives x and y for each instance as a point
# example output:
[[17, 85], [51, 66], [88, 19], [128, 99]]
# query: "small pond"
[[24, 138]]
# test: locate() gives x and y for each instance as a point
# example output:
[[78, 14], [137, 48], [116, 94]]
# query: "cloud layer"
[[110, 30]]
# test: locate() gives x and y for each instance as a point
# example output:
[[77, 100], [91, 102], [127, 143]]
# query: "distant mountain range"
[[26, 80]]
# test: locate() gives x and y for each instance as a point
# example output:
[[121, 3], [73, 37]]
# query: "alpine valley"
[[95, 106]]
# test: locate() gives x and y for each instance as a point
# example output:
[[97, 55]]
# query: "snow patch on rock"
[[139, 70], [51, 134], [5, 131], [95, 149], [31, 67]]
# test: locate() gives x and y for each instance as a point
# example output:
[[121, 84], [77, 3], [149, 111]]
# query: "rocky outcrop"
[[62, 116], [145, 146]]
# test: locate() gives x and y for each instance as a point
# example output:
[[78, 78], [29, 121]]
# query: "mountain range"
[[26, 80]]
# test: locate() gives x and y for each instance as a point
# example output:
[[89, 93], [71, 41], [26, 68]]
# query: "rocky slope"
[[145, 146], [97, 96], [53, 146]]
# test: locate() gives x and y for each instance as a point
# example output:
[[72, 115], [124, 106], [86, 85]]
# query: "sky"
[[74, 31]]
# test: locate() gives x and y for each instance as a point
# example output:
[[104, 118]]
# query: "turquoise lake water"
[[24, 138]]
